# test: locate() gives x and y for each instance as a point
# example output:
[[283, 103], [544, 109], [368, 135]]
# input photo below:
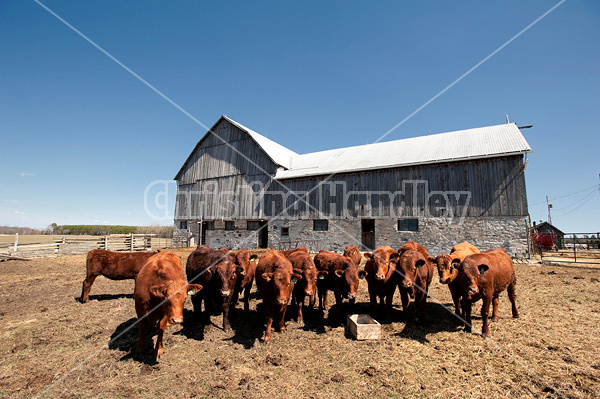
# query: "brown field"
[[51, 343]]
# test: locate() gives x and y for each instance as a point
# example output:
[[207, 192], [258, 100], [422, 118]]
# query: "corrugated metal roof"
[[483, 142], [278, 153]]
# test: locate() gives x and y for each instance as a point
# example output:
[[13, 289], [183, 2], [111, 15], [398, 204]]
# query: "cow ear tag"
[[294, 280], [321, 277], [191, 292], [361, 276], [481, 270]]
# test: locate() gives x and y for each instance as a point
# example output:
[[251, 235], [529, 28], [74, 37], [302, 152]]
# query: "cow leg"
[[405, 302], [300, 304], [373, 300], [512, 295], [269, 314], [466, 307], [197, 304], [495, 309], [87, 286], [455, 298], [160, 330], [485, 310], [143, 327], [281, 316], [421, 302], [225, 309], [235, 296], [247, 297]]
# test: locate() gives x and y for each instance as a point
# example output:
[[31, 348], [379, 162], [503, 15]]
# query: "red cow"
[[246, 261], [353, 253], [413, 246], [275, 280], [160, 292], [216, 270], [415, 273], [339, 274], [112, 265], [447, 266], [380, 266], [486, 275], [304, 265]]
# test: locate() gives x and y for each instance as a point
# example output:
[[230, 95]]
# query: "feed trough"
[[363, 326]]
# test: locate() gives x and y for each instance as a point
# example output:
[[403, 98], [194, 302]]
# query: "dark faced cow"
[[415, 273], [112, 265], [160, 292], [380, 266], [217, 271], [275, 280], [486, 275], [337, 273]]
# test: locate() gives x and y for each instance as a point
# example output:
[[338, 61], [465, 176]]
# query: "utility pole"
[[549, 207]]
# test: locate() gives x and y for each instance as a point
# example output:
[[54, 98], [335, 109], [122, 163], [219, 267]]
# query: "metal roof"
[[279, 154], [482, 142]]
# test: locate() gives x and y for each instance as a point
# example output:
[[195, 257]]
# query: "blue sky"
[[82, 138]]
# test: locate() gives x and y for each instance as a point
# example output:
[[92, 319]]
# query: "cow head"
[[282, 283], [347, 277], [408, 265], [469, 277], [447, 267], [172, 296], [381, 262], [246, 264], [353, 253], [224, 270]]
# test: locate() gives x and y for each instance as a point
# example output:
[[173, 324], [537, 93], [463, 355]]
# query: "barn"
[[238, 189]]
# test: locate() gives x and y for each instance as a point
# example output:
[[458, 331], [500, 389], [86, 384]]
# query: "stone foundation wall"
[[438, 235]]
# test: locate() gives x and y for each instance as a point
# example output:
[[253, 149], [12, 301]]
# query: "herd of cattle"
[[219, 276]]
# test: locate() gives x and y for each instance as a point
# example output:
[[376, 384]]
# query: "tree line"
[[91, 229]]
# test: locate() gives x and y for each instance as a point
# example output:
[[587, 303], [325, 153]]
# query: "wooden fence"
[[71, 245]]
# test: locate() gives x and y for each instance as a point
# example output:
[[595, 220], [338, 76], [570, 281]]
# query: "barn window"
[[229, 225], [208, 225], [253, 225], [285, 231], [183, 225], [408, 224], [320, 225]]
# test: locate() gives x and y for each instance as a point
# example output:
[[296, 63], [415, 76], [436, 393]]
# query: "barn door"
[[368, 233], [263, 235]]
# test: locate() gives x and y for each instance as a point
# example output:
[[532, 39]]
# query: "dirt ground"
[[54, 345]]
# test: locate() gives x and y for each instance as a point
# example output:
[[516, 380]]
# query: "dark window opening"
[[229, 225], [408, 224], [321, 225], [183, 225], [253, 225], [285, 231]]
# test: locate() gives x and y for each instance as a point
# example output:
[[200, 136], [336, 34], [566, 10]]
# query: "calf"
[[415, 273], [275, 280], [353, 253], [160, 292], [486, 275], [380, 266], [217, 271], [112, 265], [246, 262], [447, 266], [337, 273], [303, 264]]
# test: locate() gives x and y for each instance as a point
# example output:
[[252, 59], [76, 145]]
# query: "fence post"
[[16, 242], [574, 248], [131, 243], [106, 242]]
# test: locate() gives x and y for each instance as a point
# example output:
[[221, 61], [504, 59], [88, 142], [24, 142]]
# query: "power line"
[[573, 210], [566, 195], [585, 197]]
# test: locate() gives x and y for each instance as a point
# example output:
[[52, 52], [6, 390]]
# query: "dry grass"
[[46, 333]]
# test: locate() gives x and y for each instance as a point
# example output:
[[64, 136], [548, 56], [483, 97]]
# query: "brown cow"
[[447, 266], [275, 280], [415, 273], [380, 266], [353, 253], [413, 246], [303, 264], [112, 265], [246, 261], [160, 292], [217, 271], [486, 275], [337, 273]]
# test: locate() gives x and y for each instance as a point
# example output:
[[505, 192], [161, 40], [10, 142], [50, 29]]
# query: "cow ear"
[[420, 263], [193, 289], [362, 274], [253, 257], [240, 270], [339, 273], [456, 262], [394, 257], [431, 259], [267, 276], [368, 255], [158, 290], [483, 268], [295, 278]]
